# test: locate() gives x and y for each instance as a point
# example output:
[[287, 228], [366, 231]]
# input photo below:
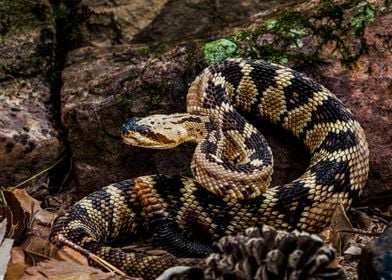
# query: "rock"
[[28, 139], [181, 19], [106, 24], [366, 90], [376, 259]]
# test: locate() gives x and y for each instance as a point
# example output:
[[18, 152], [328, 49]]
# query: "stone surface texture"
[[376, 258], [365, 87], [28, 140], [120, 21], [117, 21]]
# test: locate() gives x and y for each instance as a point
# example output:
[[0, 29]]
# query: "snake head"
[[155, 132]]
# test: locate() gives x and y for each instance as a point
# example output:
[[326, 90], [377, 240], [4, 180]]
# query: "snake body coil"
[[225, 204]]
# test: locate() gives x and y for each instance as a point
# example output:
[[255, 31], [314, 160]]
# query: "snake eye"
[[143, 130]]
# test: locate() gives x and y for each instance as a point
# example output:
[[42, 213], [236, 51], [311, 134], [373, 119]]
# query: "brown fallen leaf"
[[16, 265], [26, 201], [17, 255], [70, 255], [18, 219], [25, 214], [340, 223], [32, 206], [54, 269], [15, 271], [38, 249]]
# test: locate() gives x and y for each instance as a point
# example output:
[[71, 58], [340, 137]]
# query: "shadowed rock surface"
[[28, 139], [376, 258], [104, 23]]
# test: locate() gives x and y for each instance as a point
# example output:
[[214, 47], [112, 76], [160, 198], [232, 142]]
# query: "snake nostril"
[[124, 128]]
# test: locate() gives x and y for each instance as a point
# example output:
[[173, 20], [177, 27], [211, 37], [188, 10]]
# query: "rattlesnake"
[[232, 166]]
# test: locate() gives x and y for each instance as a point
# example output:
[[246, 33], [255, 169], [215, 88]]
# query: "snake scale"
[[232, 166]]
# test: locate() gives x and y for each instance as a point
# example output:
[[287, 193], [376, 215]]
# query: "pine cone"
[[266, 253]]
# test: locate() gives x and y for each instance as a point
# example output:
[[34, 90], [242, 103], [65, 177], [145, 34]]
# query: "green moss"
[[364, 16], [281, 38], [219, 50]]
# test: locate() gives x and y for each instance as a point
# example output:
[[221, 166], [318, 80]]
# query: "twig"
[[40, 173], [67, 175], [104, 129], [60, 239], [359, 231]]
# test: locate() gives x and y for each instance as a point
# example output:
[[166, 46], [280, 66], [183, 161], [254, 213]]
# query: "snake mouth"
[[145, 142]]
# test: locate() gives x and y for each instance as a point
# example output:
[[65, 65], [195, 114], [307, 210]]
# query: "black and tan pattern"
[[233, 165]]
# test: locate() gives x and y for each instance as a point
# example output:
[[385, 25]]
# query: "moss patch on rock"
[[218, 50], [299, 36]]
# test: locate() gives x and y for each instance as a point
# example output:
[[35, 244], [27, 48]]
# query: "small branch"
[[40, 173], [61, 240], [359, 231]]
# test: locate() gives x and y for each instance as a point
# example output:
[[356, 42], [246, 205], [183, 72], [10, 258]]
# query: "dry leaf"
[[339, 224], [5, 249], [353, 250], [16, 265], [54, 269], [32, 206], [26, 201], [17, 255], [18, 219], [69, 254], [38, 249], [44, 217], [25, 214], [15, 271]]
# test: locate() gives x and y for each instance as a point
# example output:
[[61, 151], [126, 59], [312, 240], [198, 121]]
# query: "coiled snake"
[[232, 165]]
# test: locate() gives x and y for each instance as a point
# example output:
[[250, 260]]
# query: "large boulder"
[[104, 24], [28, 139]]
